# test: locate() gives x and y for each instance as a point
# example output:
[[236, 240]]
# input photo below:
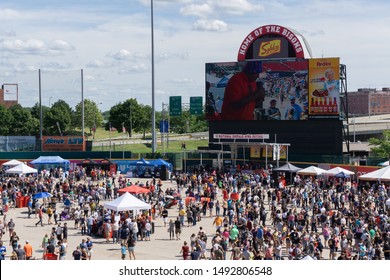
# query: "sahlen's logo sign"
[[270, 48]]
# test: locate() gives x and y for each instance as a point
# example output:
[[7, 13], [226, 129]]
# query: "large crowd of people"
[[253, 215]]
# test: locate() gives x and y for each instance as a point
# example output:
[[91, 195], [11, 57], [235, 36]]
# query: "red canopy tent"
[[134, 190]]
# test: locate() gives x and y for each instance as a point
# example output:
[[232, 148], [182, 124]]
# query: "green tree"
[[381, 147], [140, 116], [93, 118], [143, 122], [36, 111], [188, 123], [22, 123], [6, 120], [58, 119]]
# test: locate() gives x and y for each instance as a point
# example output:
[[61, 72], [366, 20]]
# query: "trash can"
[[25, 201], [19, 202]]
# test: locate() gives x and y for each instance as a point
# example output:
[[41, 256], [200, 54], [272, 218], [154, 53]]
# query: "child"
[[123, 250]]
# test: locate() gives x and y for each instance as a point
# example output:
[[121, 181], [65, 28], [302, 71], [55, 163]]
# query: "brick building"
[[369, 101]]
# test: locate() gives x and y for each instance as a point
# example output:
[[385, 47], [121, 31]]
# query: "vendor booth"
[[127, 202], [143, 168], [108, 165], [21, 169], [49, 162], [89, 165]]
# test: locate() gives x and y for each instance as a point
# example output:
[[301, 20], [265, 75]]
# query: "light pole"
[[354, 128], [154, 144]]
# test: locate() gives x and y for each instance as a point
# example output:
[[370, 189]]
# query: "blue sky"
[[110, 41]]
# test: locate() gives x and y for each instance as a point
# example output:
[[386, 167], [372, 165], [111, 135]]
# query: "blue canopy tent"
[[145, 168], [160, 162], [48, 162]]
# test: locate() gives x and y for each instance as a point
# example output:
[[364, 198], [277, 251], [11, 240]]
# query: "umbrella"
[[42, 195], [342, 175], [134, 190]]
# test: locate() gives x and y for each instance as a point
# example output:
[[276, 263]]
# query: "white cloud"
[[96, 64], [181, 81], [55, 66], [30, 46], [134, 68], [236, 7], [60, 45], [201, 10], [210, 25]]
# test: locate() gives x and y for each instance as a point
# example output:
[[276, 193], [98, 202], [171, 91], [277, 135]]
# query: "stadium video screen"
[[292, 90]]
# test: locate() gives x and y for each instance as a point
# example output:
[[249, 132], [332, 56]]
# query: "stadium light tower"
[[153, 97]]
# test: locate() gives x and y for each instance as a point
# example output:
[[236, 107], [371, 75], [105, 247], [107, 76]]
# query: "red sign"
[[63, 143], [266, 30]]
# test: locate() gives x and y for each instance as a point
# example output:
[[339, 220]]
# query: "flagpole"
[[123, 140]]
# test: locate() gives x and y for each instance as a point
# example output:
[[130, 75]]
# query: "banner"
[[63, 143], [17, 143], [324, 87], [255, 152], [276, 151]]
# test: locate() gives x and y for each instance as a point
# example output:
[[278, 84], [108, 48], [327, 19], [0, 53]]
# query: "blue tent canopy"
[[47, 162], [160, 162], [142, 161]]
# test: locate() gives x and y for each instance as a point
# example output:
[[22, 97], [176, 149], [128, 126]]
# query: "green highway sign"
[[175, 106], [196, 105]]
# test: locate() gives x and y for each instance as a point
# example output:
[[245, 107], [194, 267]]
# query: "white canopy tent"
[[21, 169], [382, 174], [338, 170], [11, 163], [386, 163], [127, 202], [311, 170]]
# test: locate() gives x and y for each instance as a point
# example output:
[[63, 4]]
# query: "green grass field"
[[174, 145]]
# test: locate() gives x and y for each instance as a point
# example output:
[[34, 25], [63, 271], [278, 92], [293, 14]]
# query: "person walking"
[[178, 228], [40, 216], [131, 247], [28, 249], [171, 229]]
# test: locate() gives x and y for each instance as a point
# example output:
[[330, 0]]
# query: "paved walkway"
[[159, 248]]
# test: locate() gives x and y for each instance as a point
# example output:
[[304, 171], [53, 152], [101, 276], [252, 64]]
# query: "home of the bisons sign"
[[273, 41]]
